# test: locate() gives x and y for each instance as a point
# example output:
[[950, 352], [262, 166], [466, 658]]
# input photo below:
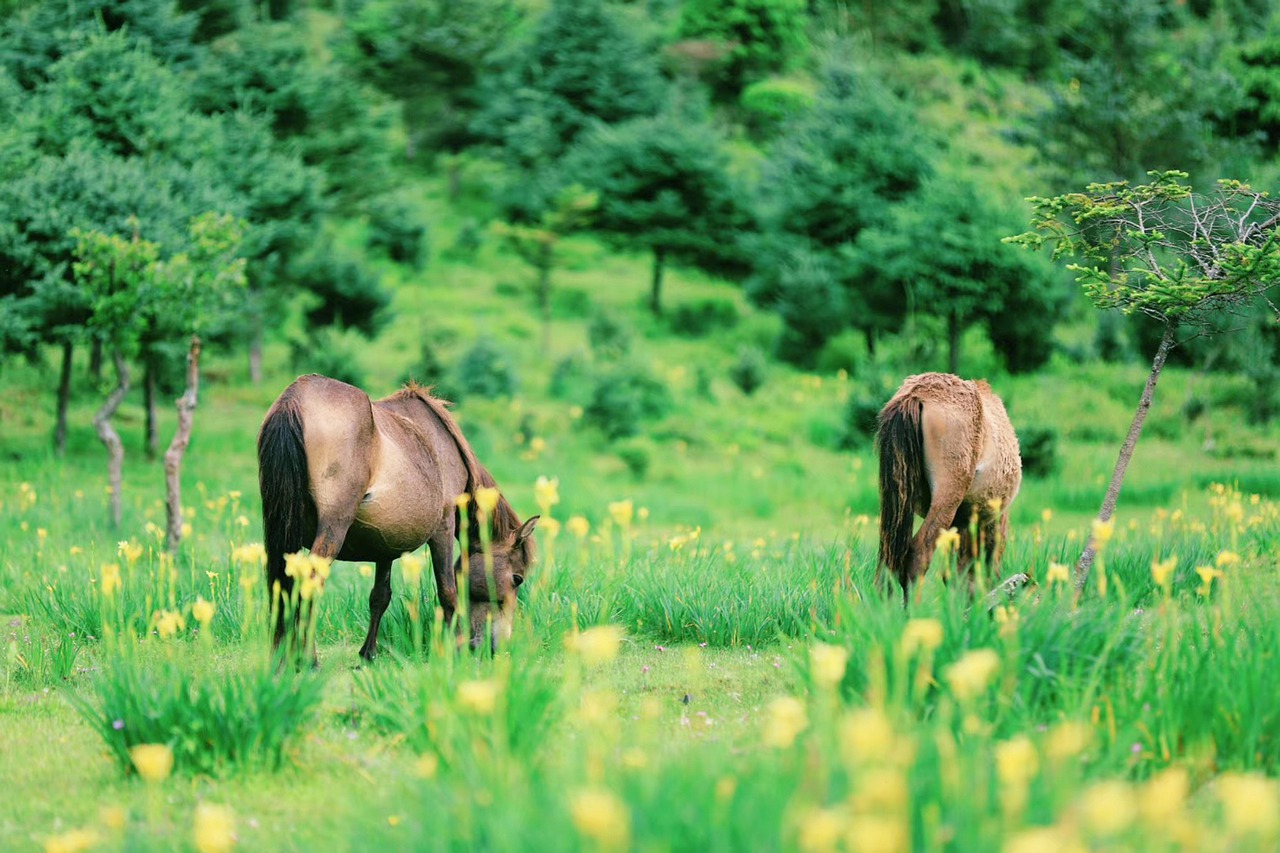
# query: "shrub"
[[327, 353], [636, 455], [748, 372], [610, 338], [770, 104], [623, 398], [1039, 446], [703, 317], [483, 371], [349, 294], [467, 242], [861, 410], [396, 228]]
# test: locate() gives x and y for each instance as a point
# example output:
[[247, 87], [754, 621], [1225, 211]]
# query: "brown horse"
[[947, 451], [361, 480]]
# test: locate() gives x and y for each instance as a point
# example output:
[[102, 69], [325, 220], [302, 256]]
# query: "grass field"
[[707, 667]]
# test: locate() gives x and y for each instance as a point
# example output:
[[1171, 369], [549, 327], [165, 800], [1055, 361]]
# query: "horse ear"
[[526, 530]]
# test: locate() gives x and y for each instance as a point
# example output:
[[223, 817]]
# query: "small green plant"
[[748, 371], [703, 317], [624, 398], [610, 338], [396, 228], [483, 371], [1039, 446]]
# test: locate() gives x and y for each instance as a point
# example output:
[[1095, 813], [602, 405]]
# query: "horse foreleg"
[[379, 598], [441, 547]]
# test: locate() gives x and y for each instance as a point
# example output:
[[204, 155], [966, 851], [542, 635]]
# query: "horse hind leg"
[[379, 598]]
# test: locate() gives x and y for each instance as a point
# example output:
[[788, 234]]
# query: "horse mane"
[[504, 521]]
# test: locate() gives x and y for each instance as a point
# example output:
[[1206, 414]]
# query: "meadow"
[[701, 661]]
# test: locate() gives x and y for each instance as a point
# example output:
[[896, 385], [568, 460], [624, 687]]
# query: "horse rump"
[[903, 487]]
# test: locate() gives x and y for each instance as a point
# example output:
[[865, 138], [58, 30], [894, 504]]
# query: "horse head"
[[492, 592]]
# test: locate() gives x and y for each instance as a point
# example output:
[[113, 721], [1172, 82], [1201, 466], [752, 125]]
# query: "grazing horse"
[[947, 451], [361, 480]]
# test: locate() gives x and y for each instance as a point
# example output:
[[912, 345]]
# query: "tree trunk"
[[1126, 453], [178, 447], [95, 360], [108, 436], [149, 404], [655, 297], [64, 398], [953, 342]]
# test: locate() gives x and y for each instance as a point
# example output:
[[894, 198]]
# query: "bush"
[[349, 294], [483, 371], [329, 354], [1039, 446], [861, 411], [610, 338], [468, 241], [623, 398], [395, 228], [636, 455], [748, 372], [571, 377], [702, 317], [770, 104]]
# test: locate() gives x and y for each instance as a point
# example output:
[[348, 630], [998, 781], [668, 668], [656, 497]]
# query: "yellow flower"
[[1249, 803], [1162, 571], [1043, 839], [596, 645], [479, 697], [1108, 808], [1016, 761], [75, 841], [462, 500], [109, 582], [215, 828], [113, 818], [601, 817], [427, 765], [785, 719], [820, 830], [1067, 740], [365, 570], [972, 673], [949, 541], [1046, 515], [827, 663], [411, 566], [1226, 559], [578, 526], [1207, 575], [130, 551], [877, 834], [1102, 532], [622, 512], [202, 611], [249, 555], [1163, 797], [921, 635], [1058, 574], [487, 499], [546, 493], [168, 623], [153, 761], [549, 527], [995, 504], [866, 736]]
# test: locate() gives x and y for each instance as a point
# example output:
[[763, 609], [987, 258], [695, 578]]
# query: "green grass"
[[757, 542]]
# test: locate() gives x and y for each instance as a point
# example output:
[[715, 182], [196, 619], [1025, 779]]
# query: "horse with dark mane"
[[355, 479], [947, 451]]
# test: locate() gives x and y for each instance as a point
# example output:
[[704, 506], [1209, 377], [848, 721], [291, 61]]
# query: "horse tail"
[[903, 487], [288, 511]]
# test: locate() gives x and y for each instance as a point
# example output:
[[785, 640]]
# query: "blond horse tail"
[[903, 486]]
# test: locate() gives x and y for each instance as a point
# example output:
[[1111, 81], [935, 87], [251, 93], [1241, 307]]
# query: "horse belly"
[[396, 522]]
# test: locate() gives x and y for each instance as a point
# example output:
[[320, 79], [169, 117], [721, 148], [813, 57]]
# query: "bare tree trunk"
[[1126, 453], [149, 404], [655, 295], [64, 398], [178, 447], [102, 425]]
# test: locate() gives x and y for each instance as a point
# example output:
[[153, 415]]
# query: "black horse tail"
[[288, 512], [903, 486]]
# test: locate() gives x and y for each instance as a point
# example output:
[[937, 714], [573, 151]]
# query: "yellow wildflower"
[[601, 817], [75, 841], [995, 505], [1250, 803], [972, 673], [921, 635], [113, 818], [109, 581], [1016, 761], [1162, 571], [820, 830], [1163, 797], [866, 736], [1067, 740], [1102, 532], [427, 765], [546, 493], [131, 551], [215, 828], [1046, 515], [596, 645], [487, 499], [365, 570], [549, 527], [168, 623], [1108, 808], [153, 761], [479, 697], [202, 611], [1043, 839], [411, 566], [949, 541], [1207, 575], [249, 555], [1058, 574], [877, 834], [578, 526], [462, 500], [785, 719], [1226, 559], [827, 663], [622, 512]]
